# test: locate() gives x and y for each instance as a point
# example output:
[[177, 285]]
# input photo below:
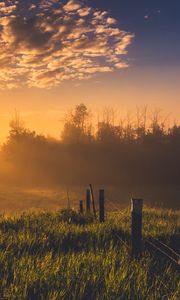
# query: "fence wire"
[[161, 251]]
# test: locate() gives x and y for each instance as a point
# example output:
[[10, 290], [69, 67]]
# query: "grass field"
[[43, 257]]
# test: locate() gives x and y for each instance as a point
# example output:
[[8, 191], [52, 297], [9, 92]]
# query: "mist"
[[136, 157]]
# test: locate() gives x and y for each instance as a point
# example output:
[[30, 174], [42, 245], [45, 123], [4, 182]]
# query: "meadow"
[[47, 255]]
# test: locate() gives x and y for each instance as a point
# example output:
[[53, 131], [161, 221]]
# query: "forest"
[[142, 151]]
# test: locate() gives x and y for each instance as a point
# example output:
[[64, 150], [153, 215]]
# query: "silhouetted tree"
[[77, 129], [107, 133], [174, 134], [141, 123]]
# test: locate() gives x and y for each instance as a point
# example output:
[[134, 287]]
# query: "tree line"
[[143, 151], [79, 128]]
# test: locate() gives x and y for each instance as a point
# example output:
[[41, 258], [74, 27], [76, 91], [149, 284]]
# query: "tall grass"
[[43, 257]]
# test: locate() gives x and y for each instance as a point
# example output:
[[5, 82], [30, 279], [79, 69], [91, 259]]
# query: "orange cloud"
[[72, 5], [44, 44]]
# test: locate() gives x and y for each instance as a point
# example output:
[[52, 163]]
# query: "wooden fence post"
[[136, 229], [81, 206], [93, 202], [88, 201], [101, 206]]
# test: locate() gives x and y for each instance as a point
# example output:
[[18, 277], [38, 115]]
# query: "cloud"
[[7, 9], [111, 21], [45, 42], [85, 11], [72, 5]]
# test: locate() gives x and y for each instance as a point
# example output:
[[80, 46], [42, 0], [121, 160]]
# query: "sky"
[[55, 54]]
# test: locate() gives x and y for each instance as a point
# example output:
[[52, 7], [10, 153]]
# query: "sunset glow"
[[55, 54]]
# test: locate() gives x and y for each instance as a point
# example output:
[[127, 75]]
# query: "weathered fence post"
[[93, 202], [101, 206], [88, 201], [81, 206], [136, 229]]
